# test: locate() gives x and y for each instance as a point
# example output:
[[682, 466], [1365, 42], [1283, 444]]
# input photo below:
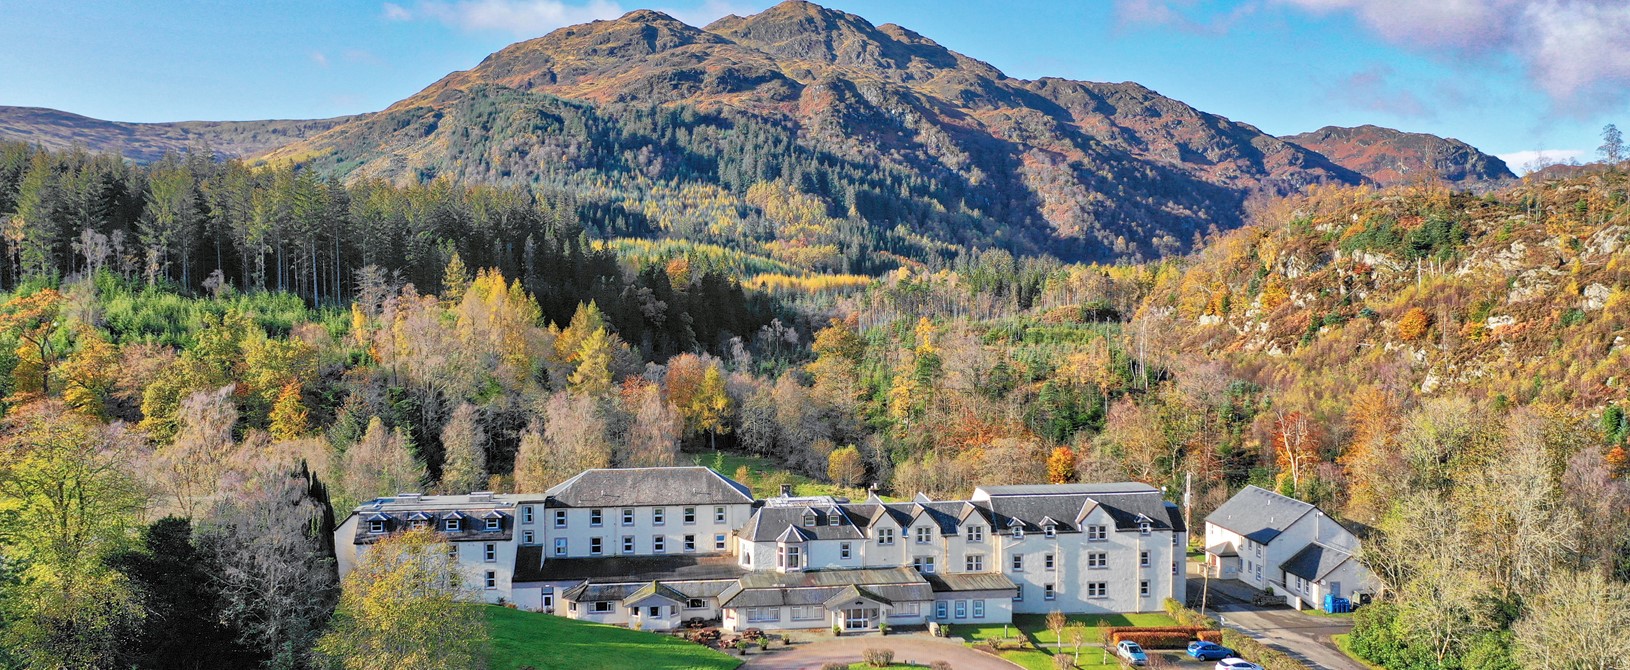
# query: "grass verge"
[[548, 642]]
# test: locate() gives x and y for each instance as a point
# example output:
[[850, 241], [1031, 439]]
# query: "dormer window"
[[809, 519], [420, 524], [1018, 532], [832, 518], [1049, 530], [1143, 528], [494, 523], [452, 525], [376, 526]]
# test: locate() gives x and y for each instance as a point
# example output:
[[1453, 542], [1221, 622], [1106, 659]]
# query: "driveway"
[[910, 648], [1304, 637]]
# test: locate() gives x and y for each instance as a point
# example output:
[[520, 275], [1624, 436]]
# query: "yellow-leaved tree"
[[406, 605]]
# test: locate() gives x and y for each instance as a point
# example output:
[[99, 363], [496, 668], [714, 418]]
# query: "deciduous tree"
[[406, 605]]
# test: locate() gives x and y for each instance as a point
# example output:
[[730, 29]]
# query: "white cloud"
[[320, 58], [1523, 162], [522, 18]]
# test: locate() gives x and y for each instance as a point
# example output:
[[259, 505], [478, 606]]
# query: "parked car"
[[1130, 652], [1236, 664], [1208, 651]]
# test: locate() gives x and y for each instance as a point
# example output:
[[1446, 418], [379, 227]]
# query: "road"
[[912, 648], [1303, 636]]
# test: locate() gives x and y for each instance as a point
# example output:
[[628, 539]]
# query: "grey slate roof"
[[770, 523], [816, 587], [530, 567], [1066, 489], [635, 487], [1126, 509], [1315, 561], [969, 581], [852, 592], [655, 590], [587, 592], [1258, 514]]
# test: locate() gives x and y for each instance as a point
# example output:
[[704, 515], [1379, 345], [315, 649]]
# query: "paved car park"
[[1305, 637]]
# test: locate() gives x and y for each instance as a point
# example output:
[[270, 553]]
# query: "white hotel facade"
[[653, 547]]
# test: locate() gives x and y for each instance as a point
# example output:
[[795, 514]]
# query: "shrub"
[[1258, 653], [1185, 616], [878, 658], [1413, 324], [835, 666], [939, 665], [1155, 639]]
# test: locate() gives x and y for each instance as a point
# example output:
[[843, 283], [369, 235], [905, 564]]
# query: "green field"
[[548, 642], [1033, 629]]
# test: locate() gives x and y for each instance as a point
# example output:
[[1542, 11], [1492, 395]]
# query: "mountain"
[[145, 142], [907, 148], [1389, 157]]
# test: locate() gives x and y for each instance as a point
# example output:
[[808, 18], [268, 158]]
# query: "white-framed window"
[[1018, 563], [976, 533], [718, 515], [656, 611], [604, 607], [961, 609], [658, 516], [420, 524], [527, 537], [1047, 592], [1018, 593], [690, 543], [560, 546], [974, 563], [494, 523], [548, 598], [560, 518], [1018, 532], [808, 613], [1047, 561], [1143, 588], [1097, 589], [628, 544], [909, 609], [1097, 533], [885, 536], [492, 579], [696, 604], [718, 542], [1049, 531], [925, 535], [789, 557], [452, 551], [690, 515], [628, 517], [1097, 560], [595, 548], [844, 551], [760, 614], [1144, 528], [451, 525], [979, 609], [376, 527], [596, 518], [659, 544], [809, 519], [940, 609], [923, 563], [526, 514], [833, 518], [489, 552]]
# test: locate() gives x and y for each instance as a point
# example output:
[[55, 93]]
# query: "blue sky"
[[1512, 77]]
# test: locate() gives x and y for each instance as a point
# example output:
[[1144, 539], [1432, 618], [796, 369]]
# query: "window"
[[494, 523], [527, 537], [594, 546], [718, 515], [420, 524], [1018, 532], [690, 515], [596, 518], [560, 518], [808, 613], [1018, 562], [940, 609], [759, 614], [979, 609], [1097, 533], [1143, 559], [1143, 528], [843, 551], [1018, 594], [628, 544], [833, 518], [1143, 588], [961, 609], [718, 542], [604, 607], [489, 552], [658, 516], [690, 543], [696, 604], [974, 563], [548, 598], [1049, 531], [452, 551], [628, 517], [789, 557], [376, 527], [925, 535], [451, 525], [1097, 560], [1047, 562], [976, 533], [1047, 592], [1097, 589], [923, 564], [560, 546], [909, 609], [659, 544], [526, 514], [809, 519], [885, 536], [492, 579], [656, 611]]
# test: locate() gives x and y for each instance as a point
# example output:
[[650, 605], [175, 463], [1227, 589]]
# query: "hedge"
[[1185, 616], [1258, 653], [1154, 639]]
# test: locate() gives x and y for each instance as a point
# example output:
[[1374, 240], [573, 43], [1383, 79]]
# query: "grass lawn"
[[1033, 628], [1344, 642], [549, 642], [765, 476]]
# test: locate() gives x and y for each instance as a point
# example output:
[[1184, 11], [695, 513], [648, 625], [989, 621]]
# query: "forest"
[[205, 363]]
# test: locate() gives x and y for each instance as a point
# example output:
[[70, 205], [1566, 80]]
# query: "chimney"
[[786, 490]]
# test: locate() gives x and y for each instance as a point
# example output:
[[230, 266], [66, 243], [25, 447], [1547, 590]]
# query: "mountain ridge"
[[59, 130]]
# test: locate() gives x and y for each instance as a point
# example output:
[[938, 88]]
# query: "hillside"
[[905, 146], [145, 142], [1390, 157], [1515, 297]]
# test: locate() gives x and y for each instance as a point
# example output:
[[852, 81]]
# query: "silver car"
[[1236, 664]]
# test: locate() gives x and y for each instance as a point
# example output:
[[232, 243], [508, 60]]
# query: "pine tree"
[[593, 374], [289, 418]]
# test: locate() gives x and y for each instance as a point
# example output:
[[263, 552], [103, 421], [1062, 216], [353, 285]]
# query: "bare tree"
[[380, 464], [189, 469], [465, 445]]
